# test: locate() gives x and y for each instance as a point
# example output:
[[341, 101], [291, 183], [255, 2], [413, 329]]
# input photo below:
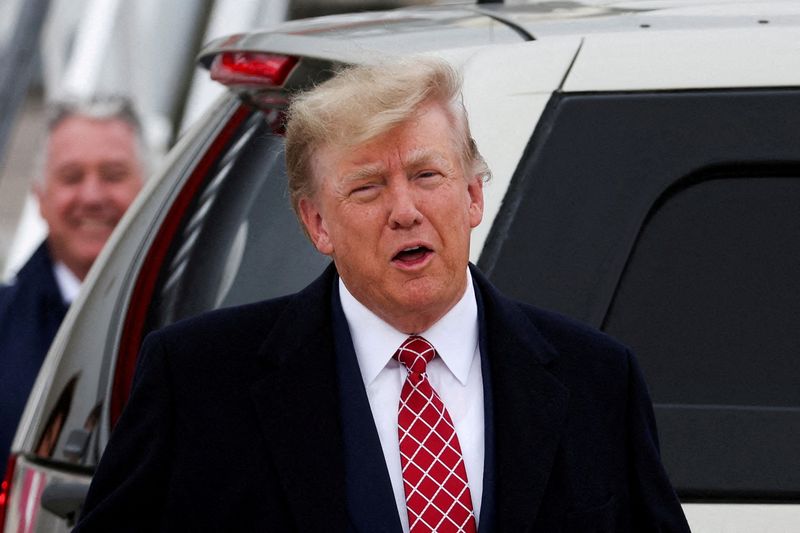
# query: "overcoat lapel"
[[298, 408], [370, 499], [529, 407]]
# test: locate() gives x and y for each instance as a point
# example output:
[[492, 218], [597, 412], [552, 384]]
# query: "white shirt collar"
[[68, 283], [455, 335]]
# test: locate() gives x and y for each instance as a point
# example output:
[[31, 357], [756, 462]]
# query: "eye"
[[364, 192], [70, 177], [115, 176], [115, 173], [428, 177]]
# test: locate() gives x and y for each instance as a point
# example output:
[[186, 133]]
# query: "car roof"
[[543, 19], [455, 26], [354, 38], [625, 45]]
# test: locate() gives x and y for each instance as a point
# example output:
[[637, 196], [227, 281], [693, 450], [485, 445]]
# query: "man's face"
[[395, 214], [91, 175]]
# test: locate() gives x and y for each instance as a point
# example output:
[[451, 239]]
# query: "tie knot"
[[415, 354]]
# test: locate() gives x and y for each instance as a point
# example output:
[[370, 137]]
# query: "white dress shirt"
[[68, 283], [455, 375]]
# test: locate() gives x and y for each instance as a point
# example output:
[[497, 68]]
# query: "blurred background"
[[144, 49]]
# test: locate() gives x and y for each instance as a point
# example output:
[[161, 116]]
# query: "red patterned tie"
[[434, 477]]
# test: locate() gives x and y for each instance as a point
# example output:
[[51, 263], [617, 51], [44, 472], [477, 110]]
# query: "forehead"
[[426, 137], [78, 138]]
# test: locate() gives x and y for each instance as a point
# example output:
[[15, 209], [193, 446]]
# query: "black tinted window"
[[712, 290], [710, 301]]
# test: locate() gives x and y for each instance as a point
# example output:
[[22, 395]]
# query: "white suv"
[[646, 160]]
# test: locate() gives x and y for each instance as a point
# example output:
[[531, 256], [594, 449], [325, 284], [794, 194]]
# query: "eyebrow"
[[414, 158], [422, 156], [365, 172]]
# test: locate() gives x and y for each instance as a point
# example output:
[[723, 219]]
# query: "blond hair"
[[362, 102]]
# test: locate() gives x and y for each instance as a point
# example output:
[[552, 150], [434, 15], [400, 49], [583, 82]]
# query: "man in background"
[[92, 167]]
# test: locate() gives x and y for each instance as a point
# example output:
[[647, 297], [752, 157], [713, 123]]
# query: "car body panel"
[[647, 60], [504, 105], [742, 518], [32, 479]]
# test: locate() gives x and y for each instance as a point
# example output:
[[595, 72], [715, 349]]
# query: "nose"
[[93, 189], [404, 212]]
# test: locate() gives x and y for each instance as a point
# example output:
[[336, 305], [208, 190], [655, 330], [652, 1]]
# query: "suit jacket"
[[31, 310], [237, 422]]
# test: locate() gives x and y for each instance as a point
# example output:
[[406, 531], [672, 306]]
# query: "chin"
[[430, 286], [418, 303], [87, 256]]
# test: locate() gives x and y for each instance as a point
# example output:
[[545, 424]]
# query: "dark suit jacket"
[[31, 310], [236, 423]]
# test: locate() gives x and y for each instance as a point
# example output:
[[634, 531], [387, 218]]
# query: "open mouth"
[[412, 255]]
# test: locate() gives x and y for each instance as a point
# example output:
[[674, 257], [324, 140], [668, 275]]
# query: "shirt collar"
[[68, 283], [455, 335]]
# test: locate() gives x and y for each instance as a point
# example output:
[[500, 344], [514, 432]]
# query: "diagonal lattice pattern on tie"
[[434, 476]]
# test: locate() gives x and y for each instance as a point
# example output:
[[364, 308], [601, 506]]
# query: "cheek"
[[58, 204], [123, 196], [359, 222]]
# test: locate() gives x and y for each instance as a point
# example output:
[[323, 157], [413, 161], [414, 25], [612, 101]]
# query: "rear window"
[[240, 241]]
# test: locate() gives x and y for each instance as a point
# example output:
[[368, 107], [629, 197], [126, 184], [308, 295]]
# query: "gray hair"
[[362, 102], [97, 107]]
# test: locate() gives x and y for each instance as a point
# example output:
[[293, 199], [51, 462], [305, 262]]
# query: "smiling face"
[[395, 214], [91, 175]]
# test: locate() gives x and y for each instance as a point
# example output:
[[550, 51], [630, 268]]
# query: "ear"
[[315, 226], [475, 190]]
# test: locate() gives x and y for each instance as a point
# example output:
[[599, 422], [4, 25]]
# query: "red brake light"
[[251, 68], [5, 489]]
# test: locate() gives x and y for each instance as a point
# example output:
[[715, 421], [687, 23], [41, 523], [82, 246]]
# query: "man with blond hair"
[[91, 168], [399, 391]]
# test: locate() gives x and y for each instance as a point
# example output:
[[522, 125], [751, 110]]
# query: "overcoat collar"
[[529, 406], [38, 270], [299, 410]]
